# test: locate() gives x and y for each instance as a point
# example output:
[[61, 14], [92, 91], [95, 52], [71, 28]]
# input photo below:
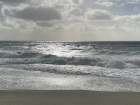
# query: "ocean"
[[94, 66]]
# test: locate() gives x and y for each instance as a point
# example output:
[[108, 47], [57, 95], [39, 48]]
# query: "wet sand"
[[68, 97]]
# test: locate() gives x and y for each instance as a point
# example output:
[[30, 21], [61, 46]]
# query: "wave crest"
[[39, 58]]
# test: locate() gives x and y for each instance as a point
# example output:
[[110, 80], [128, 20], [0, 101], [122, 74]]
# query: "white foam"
[[37, 77]]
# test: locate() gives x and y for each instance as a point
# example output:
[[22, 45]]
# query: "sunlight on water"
[[60, 49]]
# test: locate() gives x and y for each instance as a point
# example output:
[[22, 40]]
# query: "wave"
[[57, 69], [39, 58], [19, 55]]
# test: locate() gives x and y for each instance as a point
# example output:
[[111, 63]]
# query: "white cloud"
[[107, 4], [98, 15], [136, 8], [128, 18]]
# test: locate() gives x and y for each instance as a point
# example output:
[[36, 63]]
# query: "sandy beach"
[[64, 97]]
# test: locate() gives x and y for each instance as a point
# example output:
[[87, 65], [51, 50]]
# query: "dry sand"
[[65, 97]]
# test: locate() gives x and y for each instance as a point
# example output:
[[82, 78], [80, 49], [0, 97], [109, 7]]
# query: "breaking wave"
[[39, 58]]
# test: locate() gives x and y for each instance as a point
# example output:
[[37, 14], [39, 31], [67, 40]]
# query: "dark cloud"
[[35, 14], [13, 1]]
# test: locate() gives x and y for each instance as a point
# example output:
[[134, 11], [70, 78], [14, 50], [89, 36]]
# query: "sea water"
[[95, 66]]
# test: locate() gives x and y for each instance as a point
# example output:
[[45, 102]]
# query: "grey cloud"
[[77, 1], [75, 11], [0, 9], [8, 24], [59, 6], [35, 14], [118, 28], [45, 24], [98, 15], [2, 17], [13, 1]]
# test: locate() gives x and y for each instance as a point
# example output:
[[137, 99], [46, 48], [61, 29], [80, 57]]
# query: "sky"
[[70, 20]]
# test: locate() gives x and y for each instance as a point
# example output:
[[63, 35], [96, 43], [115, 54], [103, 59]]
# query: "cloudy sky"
[[70, 20]]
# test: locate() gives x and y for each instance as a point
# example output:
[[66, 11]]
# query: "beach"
[[68, 97]]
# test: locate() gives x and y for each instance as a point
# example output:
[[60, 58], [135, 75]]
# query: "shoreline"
[[67, 97]]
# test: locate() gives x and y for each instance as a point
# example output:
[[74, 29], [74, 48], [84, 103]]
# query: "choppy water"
[[97, 66]]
